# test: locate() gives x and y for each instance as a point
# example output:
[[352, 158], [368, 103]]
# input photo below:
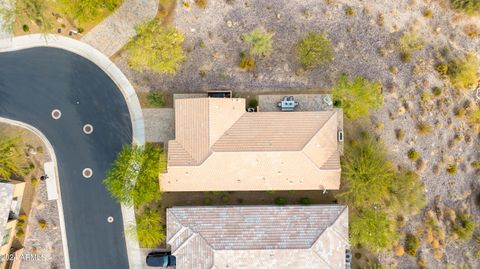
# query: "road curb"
[[51, 152], [128, 92]]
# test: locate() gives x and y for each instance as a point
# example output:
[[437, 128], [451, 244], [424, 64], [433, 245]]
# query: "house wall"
[[5, 249]]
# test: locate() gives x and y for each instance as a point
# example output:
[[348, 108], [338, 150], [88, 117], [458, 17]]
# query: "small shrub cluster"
[[424, 128], [412, 243], [260, 42], [42, 224], [464, 227], [469, 7], [413, 155], [201, 3], [247, 62], [314, 49], [462, 72], [280, 201], [156, 99], [452, 169], [305, 201]]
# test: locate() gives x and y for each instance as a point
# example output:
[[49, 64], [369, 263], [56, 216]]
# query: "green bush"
[[475, 165], [85, 11], [225, 198], [35, 181], [12, 161], [280, 201], [207, 201], [314, 49], [156, 48], [149, 229], [260, 42], [156, 99], [424, 128], [412, 243], [462, 72], [470, 7], [42, 224], [464, 227], [413, 155], [373, 230], [305, 201], [410, 42], [437, 91], [358, 96], [253, 103], [201, 3], [400, 134], [406, 193], [20, 223], [406, 56], [350, 11], [25, 28], [136, 185]]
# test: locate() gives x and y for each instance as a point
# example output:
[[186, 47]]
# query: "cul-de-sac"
[[239, 134]]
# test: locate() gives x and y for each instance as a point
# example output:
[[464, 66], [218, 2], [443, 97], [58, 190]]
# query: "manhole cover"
[[87, 173], [88, 128], [56, 114], [110, 219]]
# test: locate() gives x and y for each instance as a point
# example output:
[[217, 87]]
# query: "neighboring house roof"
[[6, 195], [257, 237], [275, 150]]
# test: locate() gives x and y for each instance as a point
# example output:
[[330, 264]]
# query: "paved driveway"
[[35, 81]]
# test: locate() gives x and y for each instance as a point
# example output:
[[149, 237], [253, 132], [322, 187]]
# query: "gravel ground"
[[5, 4], [366, 44], [47, 242]]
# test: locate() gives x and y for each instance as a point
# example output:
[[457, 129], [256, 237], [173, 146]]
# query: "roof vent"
[[340, 135]]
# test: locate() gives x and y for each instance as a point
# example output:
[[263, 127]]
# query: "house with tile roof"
[[11, 194], [267, 237], [219, 146]]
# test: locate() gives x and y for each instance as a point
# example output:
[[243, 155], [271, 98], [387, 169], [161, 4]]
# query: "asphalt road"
[[35, 81]]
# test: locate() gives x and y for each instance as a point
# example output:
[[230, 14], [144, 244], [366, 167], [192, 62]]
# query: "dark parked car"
[[160, 259]]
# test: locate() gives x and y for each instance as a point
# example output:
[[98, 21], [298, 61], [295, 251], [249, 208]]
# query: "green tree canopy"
[[470, 7], [366, 174], [133, 177], [407, 193], [156, 48], [314, 49], [373, 229], [149, 230], [85, 11], [12, 161], [358, 96], [260, 41]]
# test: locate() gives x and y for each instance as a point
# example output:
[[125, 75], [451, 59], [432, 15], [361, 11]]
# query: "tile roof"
[[6, 196], [258, 236], [288, 151]]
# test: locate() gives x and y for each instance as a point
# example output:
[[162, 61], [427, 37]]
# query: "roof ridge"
[[183, 148], [220, 137], [314, 252], [319, 129], [335, 220]]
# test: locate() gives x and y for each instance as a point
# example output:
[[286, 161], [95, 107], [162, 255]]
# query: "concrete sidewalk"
[[114, 32]]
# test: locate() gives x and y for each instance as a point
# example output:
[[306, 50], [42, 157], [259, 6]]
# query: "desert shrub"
[[407, 193], [305, 201], [427, 13], [475, 165], [459, 112], [156, 99], [469, 7], [156, 48], [207, 201], [85, 11], [35, 181], [201, 3], [412, 243], [12, 161], [424, 128], [23, 217], [25, 28], [253, 103], [399, 250], [436, 91], [149, 229], [373, 230], [462, 72], [260, 42], [42, 224], [314, 49], [350, 11], [400, 134], [413, 155], [452, 169], [409, 43], [20, 223], [442, 69], [225, 198], [464, 227], [20, 233], [280, 201], [247, 62], [471, 30], [358, 96], [474, 117]]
